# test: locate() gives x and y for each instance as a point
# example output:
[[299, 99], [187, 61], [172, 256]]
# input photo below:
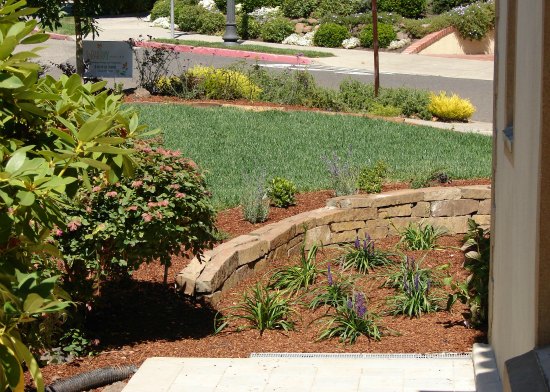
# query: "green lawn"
[[247, 47], [234, 145], [67, 26]]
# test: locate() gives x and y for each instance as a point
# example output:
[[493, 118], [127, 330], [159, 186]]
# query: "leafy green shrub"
[[340, 8], [356, 95], [188, 17], [386, 34], [475, 20], [335, 293], [441, 6], [292, 279], [109, 7], [162, 7], [330, 35], [415, 295], [255, 204], [350, 321], [262, 309], [423, 181], [221, 83], [276, 30], [412, 8], [298, 8], [365, 256], [211, 23], [474, 291], [371, 177], [281, 192], [164, 210], [221, 5], [422, 236], [412, 102], [248, 27], [389, 5], [451, 108]]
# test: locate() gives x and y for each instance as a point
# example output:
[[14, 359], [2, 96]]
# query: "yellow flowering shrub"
[[450, 108]]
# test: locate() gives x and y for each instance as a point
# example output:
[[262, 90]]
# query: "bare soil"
[[142, 318]]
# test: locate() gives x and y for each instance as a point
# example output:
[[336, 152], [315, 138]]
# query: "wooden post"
[[375, 47]]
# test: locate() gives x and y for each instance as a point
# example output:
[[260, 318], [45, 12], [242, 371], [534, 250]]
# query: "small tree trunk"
[[79, 37], [375, 48]]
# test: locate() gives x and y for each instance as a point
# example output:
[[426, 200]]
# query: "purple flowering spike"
[[349, 304], [416, 281], [357, 243], [365, 246], [329, 275], [405, 285], [360, 307], [428, 285]]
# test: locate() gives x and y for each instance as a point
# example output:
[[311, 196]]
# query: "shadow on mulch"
[[138, 311]]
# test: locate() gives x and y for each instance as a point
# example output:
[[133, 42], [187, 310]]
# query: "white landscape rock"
[[299, 40]]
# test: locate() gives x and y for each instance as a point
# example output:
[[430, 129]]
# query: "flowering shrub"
[[475, 20], [451, 108], [165, 209], [351, 43], [263, 14], [343, 176], [364, 256], [399, 43], [440, 6], [300, 40]]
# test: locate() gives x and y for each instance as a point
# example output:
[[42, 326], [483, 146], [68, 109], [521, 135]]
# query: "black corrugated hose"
[[93, 379]]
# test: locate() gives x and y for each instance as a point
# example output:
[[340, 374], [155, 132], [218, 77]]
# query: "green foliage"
[[371, 177], [221, 83], [276, 30], [161, 8], [389, 5], [386, 34], [163, 210], [211, 23], [254, 203], [281, 192], [75, 343], [364, 257], [418, 28], [248, 28], [437, 176], [421, 236], [340, 8], [412, 102], [450, 108], [350, 321], [262, 309], [292, 279], [474, 291], [221, 5], [330, 35], [378, 109], [189, 17], [298, 8], [109, 7], [475, 20], [335, 293], [412, 8], [343, 176], [415, 295], [441, 6]]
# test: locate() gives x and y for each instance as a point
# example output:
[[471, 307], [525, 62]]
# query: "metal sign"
[[111, 59]]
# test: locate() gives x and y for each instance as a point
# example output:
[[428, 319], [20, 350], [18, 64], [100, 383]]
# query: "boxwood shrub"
[[330, 35], [386, 34], [276, 30], [188, 17], [407, 8], [211, 23]]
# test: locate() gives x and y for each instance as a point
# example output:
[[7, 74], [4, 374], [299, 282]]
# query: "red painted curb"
[[228, 53], [61, 37]]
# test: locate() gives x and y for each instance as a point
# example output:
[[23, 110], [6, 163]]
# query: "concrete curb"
[[485, 369], [61, 37], [276, 58], [427, 40]]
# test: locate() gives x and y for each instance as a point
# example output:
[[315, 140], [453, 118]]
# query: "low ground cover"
[[233, 145]]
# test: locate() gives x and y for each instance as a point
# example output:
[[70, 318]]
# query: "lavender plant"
[[255, 203], [351, 320], [334, 293], [343, 177], [364, 256]]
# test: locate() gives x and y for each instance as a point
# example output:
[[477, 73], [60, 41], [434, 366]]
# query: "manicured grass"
[[234, 145], [247, 47], [67, 26]]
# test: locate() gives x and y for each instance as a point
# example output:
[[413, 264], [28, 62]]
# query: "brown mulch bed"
[[143, 318]]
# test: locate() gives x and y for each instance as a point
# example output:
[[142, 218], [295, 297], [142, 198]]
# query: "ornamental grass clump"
[[363, 256], [261, 309], [414, 295], [351, 320], [450, 108], [335, 293], [421, 236], [294, 278]]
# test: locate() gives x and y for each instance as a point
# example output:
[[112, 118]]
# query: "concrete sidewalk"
[[304, 374], [123, 28]]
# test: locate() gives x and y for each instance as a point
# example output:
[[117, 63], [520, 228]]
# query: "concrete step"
[[295, 374]]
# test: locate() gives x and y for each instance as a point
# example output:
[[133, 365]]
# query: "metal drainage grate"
[[363, 356]]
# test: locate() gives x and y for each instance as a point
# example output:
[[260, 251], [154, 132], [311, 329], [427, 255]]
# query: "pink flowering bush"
[[163, 210]]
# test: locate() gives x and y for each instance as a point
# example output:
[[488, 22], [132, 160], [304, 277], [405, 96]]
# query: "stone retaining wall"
[[342, 220]]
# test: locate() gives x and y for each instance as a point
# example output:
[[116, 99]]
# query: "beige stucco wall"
[[513, 326], [454, 44]]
